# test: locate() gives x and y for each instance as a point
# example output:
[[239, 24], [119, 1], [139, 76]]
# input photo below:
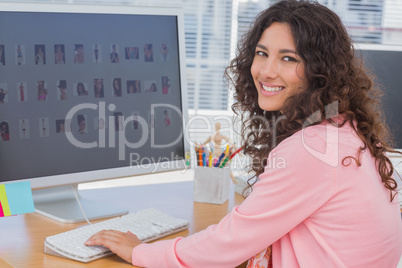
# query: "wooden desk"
[[22, 236]]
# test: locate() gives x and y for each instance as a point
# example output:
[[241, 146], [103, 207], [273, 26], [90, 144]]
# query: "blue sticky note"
[[19, 197]]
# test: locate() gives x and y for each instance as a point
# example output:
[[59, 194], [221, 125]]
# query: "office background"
[[213, 27]]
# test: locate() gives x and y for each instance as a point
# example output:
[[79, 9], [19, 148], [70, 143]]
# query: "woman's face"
[[80, 88], [116, 84], [278, 72], [98, 84]]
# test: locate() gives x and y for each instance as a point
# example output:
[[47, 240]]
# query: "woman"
[[117, 92], [305, 99], [22, 92], [5, 135], [148, 53], [59, 54], [81, 91], [62, 88], [98, 88], [96, 53], [42, 91], [152, 88], [165, 85], [3, 94], [137, 86], [114, 56], [166, 118], [133, 86], [20, 57], [60, 126], [81, 124], [79, 53], [40, 55]]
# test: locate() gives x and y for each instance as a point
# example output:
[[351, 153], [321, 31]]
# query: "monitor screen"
[[385, 62], [90, 92]]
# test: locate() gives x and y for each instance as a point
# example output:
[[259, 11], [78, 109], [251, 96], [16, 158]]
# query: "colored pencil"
[[236, 152]]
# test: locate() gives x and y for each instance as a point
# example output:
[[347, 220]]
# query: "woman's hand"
[[118, 242]]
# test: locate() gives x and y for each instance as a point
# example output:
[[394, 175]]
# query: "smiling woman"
[[303, 98]]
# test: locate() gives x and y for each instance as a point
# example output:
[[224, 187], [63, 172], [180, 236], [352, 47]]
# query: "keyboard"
[[147, 225]]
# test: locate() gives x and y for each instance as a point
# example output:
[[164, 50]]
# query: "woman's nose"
[[269, 69]]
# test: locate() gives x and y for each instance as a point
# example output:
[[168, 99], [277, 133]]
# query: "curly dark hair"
[[335, 74]]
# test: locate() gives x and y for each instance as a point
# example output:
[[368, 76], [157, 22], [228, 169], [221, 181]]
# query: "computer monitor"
[[89, 92], [385, 62]]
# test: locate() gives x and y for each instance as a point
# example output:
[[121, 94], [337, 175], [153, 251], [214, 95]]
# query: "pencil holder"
[[211, 184]]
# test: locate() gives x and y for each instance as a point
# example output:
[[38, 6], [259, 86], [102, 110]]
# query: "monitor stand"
[[60, 203]]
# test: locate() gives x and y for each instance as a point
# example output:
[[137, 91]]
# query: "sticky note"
[[16, 198], [4, 201], [1, 211]]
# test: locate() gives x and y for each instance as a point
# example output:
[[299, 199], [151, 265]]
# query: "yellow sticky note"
[[4, 201]]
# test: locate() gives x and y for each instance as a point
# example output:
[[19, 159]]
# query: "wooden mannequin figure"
[[216, 138]]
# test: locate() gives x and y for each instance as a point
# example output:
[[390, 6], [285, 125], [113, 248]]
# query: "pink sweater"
[[314, 211]]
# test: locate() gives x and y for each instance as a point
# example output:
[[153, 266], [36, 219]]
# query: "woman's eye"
[[289, 59], [261, 53]]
